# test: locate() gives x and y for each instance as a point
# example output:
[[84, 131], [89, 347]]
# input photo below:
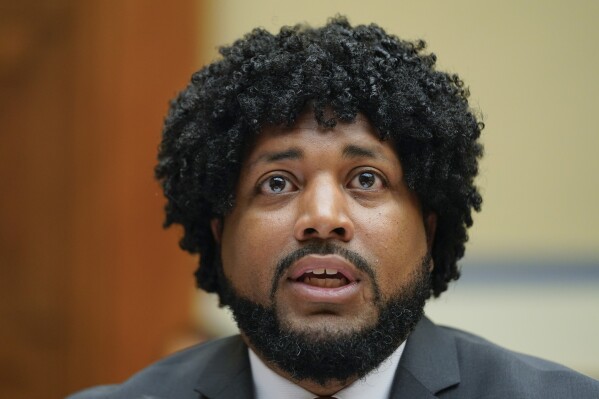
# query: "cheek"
[[251, 247], [394, 237]]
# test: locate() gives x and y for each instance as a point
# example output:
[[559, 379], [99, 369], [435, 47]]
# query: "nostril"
[[324, 232], [340, 231], [309, 231]]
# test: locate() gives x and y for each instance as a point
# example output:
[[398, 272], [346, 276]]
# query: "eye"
[[367, 180], [276, 184]]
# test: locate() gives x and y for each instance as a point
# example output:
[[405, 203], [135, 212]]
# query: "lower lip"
[[310, 293]]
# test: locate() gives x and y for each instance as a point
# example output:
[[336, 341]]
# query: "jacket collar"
[[226, 372], [429, 363]]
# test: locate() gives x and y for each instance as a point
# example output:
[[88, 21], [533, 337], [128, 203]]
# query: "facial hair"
[[330, 355]]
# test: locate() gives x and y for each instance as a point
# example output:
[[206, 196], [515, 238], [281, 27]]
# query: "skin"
[[307, 183]]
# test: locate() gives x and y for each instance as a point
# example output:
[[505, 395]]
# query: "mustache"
[[324, 248]]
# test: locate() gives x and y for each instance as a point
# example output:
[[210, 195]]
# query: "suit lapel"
[[226, 373], [428, 365]]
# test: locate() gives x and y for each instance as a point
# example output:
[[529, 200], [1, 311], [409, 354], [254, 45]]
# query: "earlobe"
[[216, 225]]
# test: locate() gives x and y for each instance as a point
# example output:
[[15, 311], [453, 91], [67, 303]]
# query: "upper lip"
[[309, 263]]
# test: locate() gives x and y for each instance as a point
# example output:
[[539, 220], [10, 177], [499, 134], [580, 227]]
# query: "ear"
[[430, 226], [216, 225]]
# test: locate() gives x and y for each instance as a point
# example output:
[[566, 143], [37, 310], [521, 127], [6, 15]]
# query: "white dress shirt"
[[376, 384]]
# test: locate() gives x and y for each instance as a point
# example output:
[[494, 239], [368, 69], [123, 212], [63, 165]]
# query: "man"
[[326, 177]]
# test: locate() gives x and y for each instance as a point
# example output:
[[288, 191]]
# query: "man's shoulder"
[[486, 367], [175, 376]]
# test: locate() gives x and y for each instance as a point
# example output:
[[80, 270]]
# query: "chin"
[[327, 326]]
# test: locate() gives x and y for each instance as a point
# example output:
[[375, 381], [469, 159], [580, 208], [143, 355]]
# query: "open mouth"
[[323, 278]]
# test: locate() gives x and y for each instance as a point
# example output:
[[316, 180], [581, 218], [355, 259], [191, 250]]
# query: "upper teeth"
[[323, 271]]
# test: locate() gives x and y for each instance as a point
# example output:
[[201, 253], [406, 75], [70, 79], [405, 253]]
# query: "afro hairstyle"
[[337, 71]]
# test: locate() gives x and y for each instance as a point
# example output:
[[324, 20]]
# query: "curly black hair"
[[337, 71]]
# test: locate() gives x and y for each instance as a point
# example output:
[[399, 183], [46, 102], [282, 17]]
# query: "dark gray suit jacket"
[[437, 362]]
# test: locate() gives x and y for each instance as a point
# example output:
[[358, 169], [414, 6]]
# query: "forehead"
[[354, 139]]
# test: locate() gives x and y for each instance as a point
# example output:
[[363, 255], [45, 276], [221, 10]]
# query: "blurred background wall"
[[93, 289]]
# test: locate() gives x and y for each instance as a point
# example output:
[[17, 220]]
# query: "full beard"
[[330, 355]]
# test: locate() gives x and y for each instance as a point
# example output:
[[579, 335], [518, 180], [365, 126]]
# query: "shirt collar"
[[376, 384]]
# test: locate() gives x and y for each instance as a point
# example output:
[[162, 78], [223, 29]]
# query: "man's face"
[[324, 228]]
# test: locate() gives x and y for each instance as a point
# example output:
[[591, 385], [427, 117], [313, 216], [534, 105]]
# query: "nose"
[[323, 212]]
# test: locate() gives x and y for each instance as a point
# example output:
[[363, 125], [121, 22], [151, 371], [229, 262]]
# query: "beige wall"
[[531, 67]]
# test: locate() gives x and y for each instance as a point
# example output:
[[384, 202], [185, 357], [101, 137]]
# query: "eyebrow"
[[354, 151], [350, 151], [291, 153]]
